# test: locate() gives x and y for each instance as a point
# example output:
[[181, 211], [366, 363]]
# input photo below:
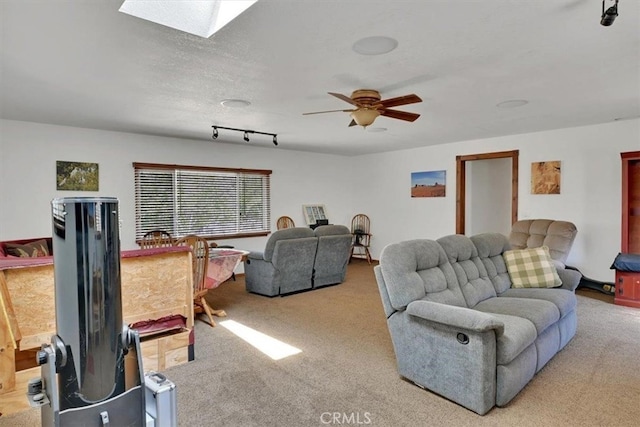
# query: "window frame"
[[186, 168]]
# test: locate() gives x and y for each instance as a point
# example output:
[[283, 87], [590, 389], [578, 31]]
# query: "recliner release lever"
[[463, 338]]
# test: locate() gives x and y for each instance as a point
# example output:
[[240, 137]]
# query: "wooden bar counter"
[[155, 283]]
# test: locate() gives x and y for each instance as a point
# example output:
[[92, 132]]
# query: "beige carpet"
[[347, 368]]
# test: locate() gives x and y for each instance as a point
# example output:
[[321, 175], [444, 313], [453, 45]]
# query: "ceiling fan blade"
[[401, 115], [328, 111], [345, 98], [353, 123], [400, 100]]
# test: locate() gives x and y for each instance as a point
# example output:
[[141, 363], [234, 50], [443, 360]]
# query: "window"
[[209, 202]]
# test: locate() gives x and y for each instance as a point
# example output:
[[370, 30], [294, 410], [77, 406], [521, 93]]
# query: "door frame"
[[461, 184]]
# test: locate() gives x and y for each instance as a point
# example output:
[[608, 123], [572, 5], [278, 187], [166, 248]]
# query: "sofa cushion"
[[28, 250], [533, 233], [470, 271], [531, 268], [490, 247], [565, 300], [539, 312], [419, 269], [519, 333]]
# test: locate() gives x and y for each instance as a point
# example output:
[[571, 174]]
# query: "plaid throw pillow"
[[531, 268]]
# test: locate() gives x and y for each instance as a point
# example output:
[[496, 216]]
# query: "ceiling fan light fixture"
[[365, 116]]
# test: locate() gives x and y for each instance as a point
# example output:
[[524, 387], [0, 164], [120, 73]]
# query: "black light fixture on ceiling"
[[609, 15], [246, 133]]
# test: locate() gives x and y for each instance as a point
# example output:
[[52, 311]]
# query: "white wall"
[[488, 186], [590, 188], [378, 185], [28, 160]]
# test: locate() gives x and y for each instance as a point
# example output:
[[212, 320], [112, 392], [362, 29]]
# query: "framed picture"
[[428, 184], [312, 213], [77, 176], [545, 177]]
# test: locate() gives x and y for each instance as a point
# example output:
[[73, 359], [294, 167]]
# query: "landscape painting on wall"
[[545, 177], [77, 176], [428, 184]]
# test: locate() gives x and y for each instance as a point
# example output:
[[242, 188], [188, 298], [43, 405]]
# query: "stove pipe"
[[86, 248]]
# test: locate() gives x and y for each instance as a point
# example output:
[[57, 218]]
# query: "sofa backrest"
[[490, 247], [533, 233], [293, 262], [470, 271], [285, 234], [418, 269], [332, 256]]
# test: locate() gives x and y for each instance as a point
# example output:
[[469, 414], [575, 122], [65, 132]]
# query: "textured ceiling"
[[84, 64]]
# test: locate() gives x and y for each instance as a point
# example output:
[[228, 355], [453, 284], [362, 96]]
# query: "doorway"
[[463, 169]]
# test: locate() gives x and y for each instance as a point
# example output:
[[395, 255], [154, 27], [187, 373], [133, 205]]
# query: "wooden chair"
[[156, 239], [285, 222], [200, 260], [360, 229]]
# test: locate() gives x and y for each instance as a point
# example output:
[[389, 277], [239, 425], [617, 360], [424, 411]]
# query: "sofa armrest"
[[457, 317], [570, 278], [255, 255]]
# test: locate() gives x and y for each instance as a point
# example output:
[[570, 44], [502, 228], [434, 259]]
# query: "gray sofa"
[[457, 326], [299, 259]]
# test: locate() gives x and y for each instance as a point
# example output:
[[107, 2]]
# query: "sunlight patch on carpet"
[[270, 346]]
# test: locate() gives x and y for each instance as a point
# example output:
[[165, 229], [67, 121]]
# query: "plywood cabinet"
[[155, 283]]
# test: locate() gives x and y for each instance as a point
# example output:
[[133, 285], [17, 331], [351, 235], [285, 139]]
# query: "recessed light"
[[234, 103], [375, 130], [376, 45], [513, 103]]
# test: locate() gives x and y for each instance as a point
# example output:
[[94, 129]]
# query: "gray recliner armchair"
[[558, 236], [334, 250], [285, 266]]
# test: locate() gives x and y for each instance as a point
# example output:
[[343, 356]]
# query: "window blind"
[[208, 202]]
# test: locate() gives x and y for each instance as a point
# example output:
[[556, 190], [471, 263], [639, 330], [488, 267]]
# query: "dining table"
[[222, 263]]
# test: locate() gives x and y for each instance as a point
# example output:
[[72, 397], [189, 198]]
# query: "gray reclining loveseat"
[[299, 259], [457, 326]]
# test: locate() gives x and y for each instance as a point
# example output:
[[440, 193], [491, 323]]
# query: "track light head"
[[246, 136], [215, 133], [275, 140], [609, 15]]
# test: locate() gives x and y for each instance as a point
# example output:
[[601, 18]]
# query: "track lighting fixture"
[[610, 15], [246, 133]]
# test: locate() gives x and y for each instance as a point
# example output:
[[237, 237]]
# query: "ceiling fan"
[[369, 105]]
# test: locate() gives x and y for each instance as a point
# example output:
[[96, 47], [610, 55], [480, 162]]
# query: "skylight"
[[202, 18]]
